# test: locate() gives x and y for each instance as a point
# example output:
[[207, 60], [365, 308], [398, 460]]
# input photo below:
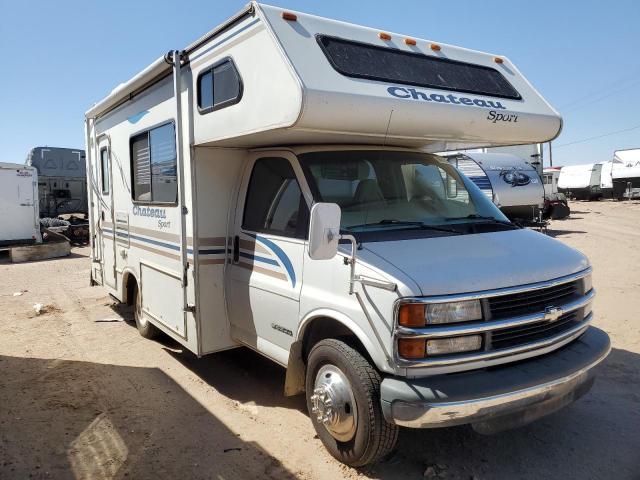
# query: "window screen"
[[362, 60], [104, 166], [274, 201], [219, 87], [154, 165]]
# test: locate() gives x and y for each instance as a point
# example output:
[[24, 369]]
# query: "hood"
[[471, 263]]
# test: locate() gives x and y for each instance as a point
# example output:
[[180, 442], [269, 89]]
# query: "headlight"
[[587, 284], [418, 315], [454, 312]]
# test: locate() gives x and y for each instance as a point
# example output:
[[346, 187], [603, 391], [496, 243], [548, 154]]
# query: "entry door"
[[264, 277], [107, 225]]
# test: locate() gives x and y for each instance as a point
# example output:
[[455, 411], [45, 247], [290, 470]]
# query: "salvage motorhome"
[[62, 180], [272, 185]]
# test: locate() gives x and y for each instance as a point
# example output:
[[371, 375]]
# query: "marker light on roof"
[[435, 47], [292, 17], [410, 41], [384, 36], [498, 60]]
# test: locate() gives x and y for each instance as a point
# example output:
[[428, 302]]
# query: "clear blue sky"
[[61, 56]]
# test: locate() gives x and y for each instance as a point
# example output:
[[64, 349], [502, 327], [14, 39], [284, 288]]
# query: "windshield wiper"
[[475, 216], [420, 225]]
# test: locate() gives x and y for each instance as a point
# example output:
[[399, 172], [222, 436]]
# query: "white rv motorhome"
[[19, 213], [625, 174], [581, 182], [272, 186]]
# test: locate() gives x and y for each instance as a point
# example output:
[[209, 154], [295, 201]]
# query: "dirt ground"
[[82, 395]]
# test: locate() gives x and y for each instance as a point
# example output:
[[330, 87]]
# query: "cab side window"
[[274, 202]]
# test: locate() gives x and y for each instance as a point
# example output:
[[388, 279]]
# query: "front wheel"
[[343, 398]]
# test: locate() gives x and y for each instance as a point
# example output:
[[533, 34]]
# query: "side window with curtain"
[[154, 165], [274, 202], [104, 170]]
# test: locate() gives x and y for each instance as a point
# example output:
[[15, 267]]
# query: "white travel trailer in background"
[[581, 182], [606, 180], [512, 183], [272, 186], [625, 174], [19, 214]]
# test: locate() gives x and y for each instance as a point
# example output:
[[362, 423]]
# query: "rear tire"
[[357, 434], [145, 327]]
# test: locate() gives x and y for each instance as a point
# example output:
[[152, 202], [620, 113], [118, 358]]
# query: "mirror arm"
[[353, 278], [351, 260]]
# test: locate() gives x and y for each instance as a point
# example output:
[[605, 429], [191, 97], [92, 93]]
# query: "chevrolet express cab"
[[273, 185]]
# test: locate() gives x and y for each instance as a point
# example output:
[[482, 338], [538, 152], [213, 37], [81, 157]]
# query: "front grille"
[[531, 332], [534, 301]]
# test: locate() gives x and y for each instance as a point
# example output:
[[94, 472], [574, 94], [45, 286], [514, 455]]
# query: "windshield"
[[396, 190]]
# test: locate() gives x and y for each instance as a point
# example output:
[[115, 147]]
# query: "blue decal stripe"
[[281, 255], [212, 251], [257, 258], [136, 118], [202, 251]]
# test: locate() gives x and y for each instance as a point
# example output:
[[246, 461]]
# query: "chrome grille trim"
[[567, 335], [488, 326], [470, 328]]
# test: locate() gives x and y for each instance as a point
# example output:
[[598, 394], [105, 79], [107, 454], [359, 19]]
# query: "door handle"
[[102, 215], [236, 249]]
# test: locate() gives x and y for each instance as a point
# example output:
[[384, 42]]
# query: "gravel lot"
[[82, 395]]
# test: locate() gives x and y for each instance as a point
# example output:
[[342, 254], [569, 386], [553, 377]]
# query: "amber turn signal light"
[[411, 315], [292, 17], [435, 47], [409, 41], [411, 348], [384, 36], [498, 60]]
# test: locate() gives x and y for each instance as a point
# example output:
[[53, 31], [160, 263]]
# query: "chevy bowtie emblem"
[[552, 314]]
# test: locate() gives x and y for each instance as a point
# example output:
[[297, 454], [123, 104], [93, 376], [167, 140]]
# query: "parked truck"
[[273, 186]]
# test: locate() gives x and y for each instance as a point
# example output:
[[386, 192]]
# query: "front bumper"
[[498, 398]]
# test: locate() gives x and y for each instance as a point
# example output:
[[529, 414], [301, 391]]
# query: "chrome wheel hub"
[[333, 404]]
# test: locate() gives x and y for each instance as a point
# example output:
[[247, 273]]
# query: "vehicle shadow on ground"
[[555, 233], [595, 423], [232, 371], [68, 419]]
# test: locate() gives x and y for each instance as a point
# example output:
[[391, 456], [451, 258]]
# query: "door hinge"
[[190, 308]]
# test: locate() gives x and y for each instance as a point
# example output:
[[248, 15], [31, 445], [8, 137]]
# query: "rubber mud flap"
[[530, 414]]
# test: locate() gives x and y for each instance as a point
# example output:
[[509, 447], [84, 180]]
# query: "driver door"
[[264, 276]]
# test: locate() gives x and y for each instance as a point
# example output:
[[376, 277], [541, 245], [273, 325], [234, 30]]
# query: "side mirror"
[[324, 231]]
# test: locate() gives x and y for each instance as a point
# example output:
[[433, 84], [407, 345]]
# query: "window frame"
[[147, 131], [302, 228], [226, 103], [102, 178], [320, 37]]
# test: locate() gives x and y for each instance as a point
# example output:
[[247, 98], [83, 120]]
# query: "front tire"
[[343, 399], [145, 327]]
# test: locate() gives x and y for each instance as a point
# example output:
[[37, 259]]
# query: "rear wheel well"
[[130, 287]]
